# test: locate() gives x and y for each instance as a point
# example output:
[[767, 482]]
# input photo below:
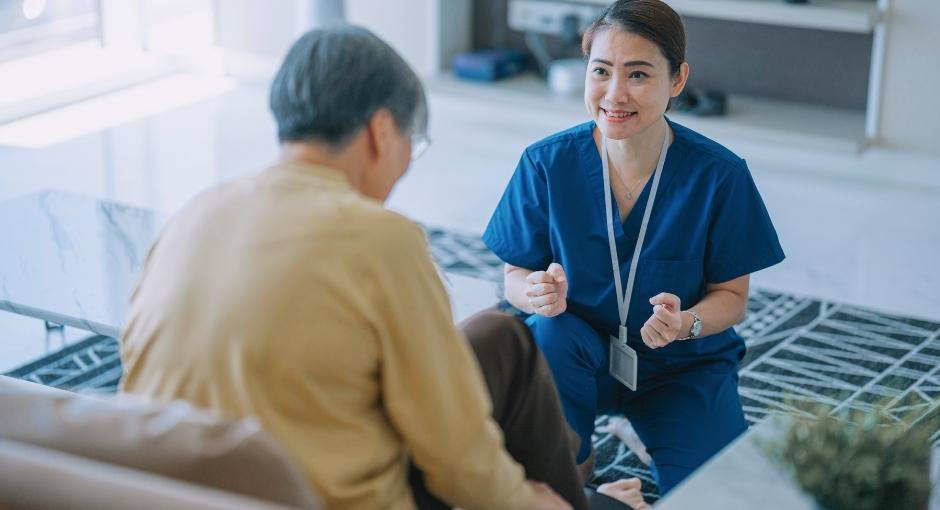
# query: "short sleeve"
[[518, 231], [741, 238]]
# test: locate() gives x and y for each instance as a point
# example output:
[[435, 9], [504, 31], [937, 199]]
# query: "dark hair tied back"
[[651, 19]]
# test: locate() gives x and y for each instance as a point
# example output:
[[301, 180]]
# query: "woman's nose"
[[617, 92]]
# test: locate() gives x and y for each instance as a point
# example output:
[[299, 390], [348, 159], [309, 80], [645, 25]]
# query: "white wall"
[[911, 93], [426, 33], [256, 35], [259, 28]]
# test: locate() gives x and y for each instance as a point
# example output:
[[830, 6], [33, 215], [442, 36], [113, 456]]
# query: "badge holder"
[[623, 359], [623, 362]]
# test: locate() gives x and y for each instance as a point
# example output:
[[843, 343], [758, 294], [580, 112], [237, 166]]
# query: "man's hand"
[[546, 499], [665, 325], [548, 290], [627, 491]]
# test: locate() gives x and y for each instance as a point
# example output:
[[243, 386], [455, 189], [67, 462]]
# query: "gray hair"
[[333, 80]]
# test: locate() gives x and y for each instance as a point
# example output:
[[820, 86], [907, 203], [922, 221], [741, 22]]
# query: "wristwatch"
[[696, 329]]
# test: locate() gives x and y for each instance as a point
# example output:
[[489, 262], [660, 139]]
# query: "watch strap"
[[696, 320]]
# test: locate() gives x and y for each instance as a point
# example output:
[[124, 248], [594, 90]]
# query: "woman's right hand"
[[546, 498], [548, 290]]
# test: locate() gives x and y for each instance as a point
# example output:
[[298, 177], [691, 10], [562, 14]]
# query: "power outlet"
[[547, 17]]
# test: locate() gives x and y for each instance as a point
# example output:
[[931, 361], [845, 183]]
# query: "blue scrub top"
[[708, 225]]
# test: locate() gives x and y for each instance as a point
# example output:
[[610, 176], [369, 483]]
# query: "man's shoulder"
[[221, 195], [388, 228], [374, 229], [354, 224]]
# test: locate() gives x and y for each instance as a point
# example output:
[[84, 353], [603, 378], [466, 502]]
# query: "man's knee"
[[497, 337]]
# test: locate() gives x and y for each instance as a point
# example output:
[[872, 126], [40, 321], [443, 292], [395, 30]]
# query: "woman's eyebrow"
[[632, 63]]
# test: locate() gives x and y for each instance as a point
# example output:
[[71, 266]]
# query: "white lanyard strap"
[[623, 298]]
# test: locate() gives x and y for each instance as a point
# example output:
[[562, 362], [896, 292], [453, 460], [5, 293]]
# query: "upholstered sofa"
[[64, 450]]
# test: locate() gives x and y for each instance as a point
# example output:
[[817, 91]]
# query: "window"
[[55, 53], [28, 27]]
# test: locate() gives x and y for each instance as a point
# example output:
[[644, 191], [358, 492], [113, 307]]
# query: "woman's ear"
[[679, 79]]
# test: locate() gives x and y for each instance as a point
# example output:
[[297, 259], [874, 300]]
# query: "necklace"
[[629, 195], [631, 190]]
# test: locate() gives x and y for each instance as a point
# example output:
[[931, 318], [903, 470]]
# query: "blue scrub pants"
[[683, 414]]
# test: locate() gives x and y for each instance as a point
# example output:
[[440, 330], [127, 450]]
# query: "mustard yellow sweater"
[[289, 296]]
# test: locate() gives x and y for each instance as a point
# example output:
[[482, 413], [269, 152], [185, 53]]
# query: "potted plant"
[[859, 459]]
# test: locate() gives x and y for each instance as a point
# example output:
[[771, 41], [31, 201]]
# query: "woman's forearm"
[[723, 306], [515, 287]]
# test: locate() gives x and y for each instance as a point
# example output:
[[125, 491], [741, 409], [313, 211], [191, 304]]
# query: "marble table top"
[[71, 259], [743, 477], [74, 260]]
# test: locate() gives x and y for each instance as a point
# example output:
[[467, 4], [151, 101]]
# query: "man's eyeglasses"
[[419, 144]]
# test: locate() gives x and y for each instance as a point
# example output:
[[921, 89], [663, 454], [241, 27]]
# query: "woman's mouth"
[[617, 115]]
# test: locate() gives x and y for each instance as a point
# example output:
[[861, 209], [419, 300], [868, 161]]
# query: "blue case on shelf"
[[489, 65]]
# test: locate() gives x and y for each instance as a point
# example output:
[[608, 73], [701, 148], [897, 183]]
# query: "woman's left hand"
[[665, 325]]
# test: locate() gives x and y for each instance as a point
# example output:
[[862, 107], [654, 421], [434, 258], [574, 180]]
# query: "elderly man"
[[293, 295]]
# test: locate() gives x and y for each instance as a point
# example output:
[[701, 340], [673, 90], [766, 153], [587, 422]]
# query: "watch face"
[[696, 327]]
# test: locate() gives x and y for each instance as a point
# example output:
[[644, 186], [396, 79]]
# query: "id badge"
[[623, 363]]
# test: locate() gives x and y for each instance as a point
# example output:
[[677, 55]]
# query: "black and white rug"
[[805, 349], [91, 365], [798, 348]]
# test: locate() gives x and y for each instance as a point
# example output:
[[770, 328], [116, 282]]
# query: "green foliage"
[[859, 460]]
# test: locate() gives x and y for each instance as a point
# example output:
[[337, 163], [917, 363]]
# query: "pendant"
[[629, 195]]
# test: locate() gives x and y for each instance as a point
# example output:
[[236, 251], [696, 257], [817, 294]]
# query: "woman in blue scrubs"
[[664, 245]]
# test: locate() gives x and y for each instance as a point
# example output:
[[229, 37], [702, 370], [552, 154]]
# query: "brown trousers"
[[525, 406]]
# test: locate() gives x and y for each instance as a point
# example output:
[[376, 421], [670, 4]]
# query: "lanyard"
[[623, 299]]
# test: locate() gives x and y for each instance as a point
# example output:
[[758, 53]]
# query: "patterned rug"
[[91, 365], [804, 349], [798, 348]]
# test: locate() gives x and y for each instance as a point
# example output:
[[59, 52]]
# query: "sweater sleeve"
[[432, 387]]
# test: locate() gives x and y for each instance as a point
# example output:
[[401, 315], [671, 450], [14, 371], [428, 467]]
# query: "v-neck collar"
[[626, 231]]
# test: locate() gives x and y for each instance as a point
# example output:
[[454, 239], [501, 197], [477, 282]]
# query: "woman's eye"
[[600, 71], [638, 74]]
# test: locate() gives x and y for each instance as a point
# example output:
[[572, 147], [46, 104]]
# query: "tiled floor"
[[861, 240]]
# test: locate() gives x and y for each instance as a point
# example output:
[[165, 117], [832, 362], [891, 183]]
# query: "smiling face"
[[628, 83]]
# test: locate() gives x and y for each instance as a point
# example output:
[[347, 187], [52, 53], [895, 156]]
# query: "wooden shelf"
[[784, 123], [749, 119], [855, 16]]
